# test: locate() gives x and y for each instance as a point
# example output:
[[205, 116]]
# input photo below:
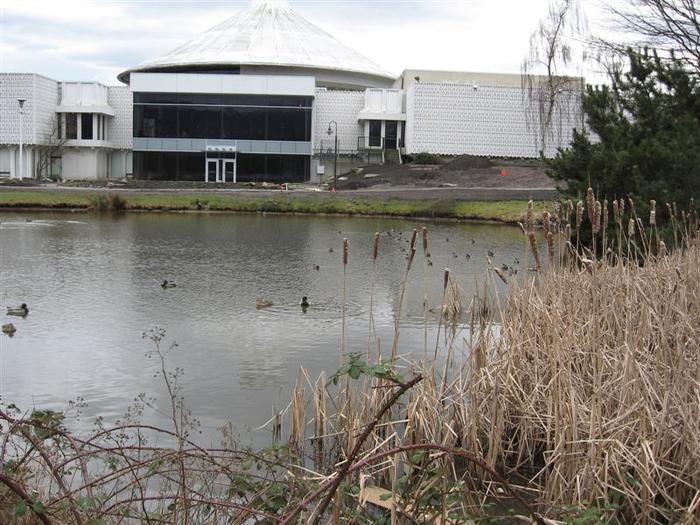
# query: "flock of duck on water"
[[22, 310], [259, 303]]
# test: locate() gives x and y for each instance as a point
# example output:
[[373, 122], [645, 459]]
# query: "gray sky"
[[95, 40]]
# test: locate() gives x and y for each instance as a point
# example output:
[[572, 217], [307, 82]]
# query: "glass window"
[[199, 122], [71, 126], [244, 123], [155, 98], [104, 127], [155, 121], [59, 125], [99, 127], [288, 124], [190, 166], [375, 133], [86, 126]]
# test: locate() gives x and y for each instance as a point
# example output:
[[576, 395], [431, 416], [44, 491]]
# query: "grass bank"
[[500, 211]]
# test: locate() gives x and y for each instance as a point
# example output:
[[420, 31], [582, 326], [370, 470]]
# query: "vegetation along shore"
[[508, 211]]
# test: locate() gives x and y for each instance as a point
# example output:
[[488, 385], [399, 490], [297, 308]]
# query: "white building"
[[256, 98], [77, 130]]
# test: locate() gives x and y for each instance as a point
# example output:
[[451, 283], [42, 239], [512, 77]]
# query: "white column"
[[21, 171]]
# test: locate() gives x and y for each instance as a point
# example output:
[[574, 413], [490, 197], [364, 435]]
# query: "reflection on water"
[[93, 287]]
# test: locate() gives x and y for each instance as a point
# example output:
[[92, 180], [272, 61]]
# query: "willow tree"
[[548, 92]]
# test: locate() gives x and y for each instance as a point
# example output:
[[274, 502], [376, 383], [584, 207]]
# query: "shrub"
[[116, 202], [426, 158]]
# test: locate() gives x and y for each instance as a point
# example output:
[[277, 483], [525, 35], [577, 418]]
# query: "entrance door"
[[229, 171], [390, 134], [213, 173]]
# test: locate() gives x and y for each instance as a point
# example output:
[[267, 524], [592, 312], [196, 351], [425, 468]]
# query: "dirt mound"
[[465, 162]]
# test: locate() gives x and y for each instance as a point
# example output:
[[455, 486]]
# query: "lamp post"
[[335, 161], [21, 102]]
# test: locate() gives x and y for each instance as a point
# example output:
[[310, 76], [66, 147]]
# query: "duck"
[[20, 310], [262, 303], [467, 256], [304, 302], [167, 284], [490, 253], [317, 267], [9, 329], [504, 267], [330, 250]]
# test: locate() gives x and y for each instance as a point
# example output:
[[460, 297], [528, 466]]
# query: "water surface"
[[92, 284]]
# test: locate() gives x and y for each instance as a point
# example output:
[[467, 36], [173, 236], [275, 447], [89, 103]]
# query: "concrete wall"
[[342, 107], [120, 127], [84, 164], [41, 94], [457, 118]]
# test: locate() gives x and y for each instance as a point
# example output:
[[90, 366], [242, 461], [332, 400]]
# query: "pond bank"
[[505, 211]]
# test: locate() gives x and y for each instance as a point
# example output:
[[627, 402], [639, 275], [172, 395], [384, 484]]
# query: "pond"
[[92, 285]]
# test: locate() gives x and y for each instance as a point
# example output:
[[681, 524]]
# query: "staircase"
[[391, 156]]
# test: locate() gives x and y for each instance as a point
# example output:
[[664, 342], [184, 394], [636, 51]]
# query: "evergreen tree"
[[644, 139]]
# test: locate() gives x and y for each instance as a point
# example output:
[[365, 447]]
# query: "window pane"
[[71, 126], [155, 121], [191, 166], [199, 122], [86, 126], [59, 125], [244, 123], [288, 124], [375, 132]]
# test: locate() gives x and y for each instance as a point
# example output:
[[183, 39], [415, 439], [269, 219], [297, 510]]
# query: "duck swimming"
[[20, 310], [304, 302], [9, 329], [262, 303], [167, 284]]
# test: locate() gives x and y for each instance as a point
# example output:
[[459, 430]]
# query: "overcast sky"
[[95, 40]]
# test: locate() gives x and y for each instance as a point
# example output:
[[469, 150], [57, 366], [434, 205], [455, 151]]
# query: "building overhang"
[[104, 110], [368, 115]]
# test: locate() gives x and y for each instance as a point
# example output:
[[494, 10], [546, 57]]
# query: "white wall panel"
[[343, 107], [455, 119], [120, 127]]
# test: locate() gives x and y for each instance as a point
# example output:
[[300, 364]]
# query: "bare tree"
[[668, 26], [51, 148], [547, 90]]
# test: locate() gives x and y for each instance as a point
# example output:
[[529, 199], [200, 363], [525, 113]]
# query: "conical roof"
[[265, 34]]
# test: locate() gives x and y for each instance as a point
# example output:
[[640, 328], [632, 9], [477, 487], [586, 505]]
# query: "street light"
[[335, 161], [21, 106]]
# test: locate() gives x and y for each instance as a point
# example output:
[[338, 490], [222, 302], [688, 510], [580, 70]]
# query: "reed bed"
[[584, 397]]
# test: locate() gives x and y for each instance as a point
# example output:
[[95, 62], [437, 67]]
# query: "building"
[[77, 130], [262, 96]]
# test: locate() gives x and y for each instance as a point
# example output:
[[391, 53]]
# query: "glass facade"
[[203, 116], [171, 165], [221, 116]]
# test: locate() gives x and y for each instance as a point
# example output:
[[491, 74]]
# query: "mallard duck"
[[20, 310], [304, 302], [262, 303], [167, 284], [8, 329]]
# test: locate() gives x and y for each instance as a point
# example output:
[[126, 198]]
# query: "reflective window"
[[71, 126], [375, 133], [59, 125], [86, 126], [155, 121], [199, 122]]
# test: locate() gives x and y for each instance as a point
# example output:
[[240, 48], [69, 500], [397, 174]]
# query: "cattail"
[[662, 249], [413, 239], [375, 251], [616, 213], [595, 218], [670, 211], [535, 250], [652, 218], [567, 231], [411, 255], [605, 214], [675, 210], [445, 279], [569, 209], [528, 218], [590, 204], [630, 229], [345, 252], [631, 205], [558, 211], [545, 221], [550, 246], [622, 209], [425, 241], [579, 214]]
